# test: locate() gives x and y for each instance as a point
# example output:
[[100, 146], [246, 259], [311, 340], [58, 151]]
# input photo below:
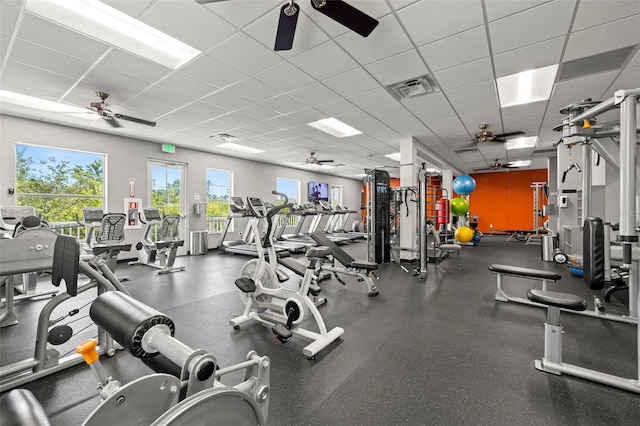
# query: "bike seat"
[[246, 285]]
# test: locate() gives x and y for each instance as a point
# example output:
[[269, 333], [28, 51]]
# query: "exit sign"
[[167, 147]]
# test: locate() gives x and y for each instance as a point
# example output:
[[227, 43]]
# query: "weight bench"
[[358, 268], [519, 272]]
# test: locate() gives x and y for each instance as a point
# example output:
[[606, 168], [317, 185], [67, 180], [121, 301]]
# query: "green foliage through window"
[[58, 183], [219, 192]]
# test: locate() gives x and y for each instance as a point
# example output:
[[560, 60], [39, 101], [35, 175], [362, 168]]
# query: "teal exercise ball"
[[459, 206], [464, 185]]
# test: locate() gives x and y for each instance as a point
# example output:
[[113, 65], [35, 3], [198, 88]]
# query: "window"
[[219, 191], [58, 183], [290, 187]]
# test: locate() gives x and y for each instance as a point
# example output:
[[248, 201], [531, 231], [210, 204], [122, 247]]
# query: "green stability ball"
[[459, 206]]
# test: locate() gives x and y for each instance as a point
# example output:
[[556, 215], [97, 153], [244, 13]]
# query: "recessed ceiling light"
[[519, 143], [335, 127], [98, 20], [45, 105], [395, 156], [240, 148], [527, 86], [520, 163]]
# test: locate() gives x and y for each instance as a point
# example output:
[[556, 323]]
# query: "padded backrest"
[[593, 252], [66, 257], [339, 254], [20, 408], [112, 228]]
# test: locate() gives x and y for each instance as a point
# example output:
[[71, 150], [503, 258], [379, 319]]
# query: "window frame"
[[215, 224]]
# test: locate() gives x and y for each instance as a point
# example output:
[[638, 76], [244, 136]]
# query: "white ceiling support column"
[[408, 177]]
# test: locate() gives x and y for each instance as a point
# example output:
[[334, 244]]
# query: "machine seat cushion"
[[450, 247], [524, 272], [20, 408], [363, 264], [246, 285], [320, 251], [554, 298]]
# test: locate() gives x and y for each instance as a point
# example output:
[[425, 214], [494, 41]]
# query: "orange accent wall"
[[504, 199]]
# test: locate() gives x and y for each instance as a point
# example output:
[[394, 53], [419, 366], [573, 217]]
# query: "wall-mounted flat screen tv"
[[318, 191]]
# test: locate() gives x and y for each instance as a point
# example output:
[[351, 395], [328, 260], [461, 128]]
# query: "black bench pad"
[[363, 264], [554, 298], [317, 252], [525, 272]]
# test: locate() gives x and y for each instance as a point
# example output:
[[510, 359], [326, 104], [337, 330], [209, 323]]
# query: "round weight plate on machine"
[[59, 334], [215, 407]]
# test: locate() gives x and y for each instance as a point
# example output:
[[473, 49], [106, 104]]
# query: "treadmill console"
[[236, 204], [257, 207], [91, 216], [151, 215], [325, 205]]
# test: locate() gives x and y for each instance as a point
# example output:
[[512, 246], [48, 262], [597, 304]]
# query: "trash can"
[[199, 242], [549, 244]]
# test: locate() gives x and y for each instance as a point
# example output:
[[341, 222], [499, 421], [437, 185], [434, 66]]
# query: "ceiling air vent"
[[413, 88], [224, 137], [602, 62]]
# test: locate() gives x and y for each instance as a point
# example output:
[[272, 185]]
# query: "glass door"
[[167, 192]]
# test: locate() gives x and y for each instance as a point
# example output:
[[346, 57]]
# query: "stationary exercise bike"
[[267, 302], [160, 254]]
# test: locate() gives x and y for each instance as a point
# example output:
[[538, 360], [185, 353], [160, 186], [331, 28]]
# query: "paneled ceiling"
[[240, 86]]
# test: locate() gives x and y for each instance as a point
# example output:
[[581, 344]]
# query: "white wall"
[[127, 158]]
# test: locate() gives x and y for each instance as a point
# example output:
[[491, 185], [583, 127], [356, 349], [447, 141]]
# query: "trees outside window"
[[58, 183], [219, 192]]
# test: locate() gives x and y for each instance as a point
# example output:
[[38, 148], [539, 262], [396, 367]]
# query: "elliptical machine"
[[160, 254], [267, 302]]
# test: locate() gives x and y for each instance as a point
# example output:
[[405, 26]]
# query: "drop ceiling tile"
[[16, 72], [533, 56], [431, 115], [45, 33], [316, 94], [226, 100], [234, 121], [428, 21], [133, 66], [464, 94], [285, 77], [484, 104], [628, 78], [261, 128], [474, 119], [4, 45], [338, 108], [399, 4], [592, 13], [285, 122], [351, 82], [457, 49], [388, 111], [497, 9], [422, 103], [8, 17], [387, 39], [524, 28], [203, 110], [252, 90], [405, 66], [284, 104], [131, 8], [324, 61], [44, 58], [257, 112], [591, 82], [244, 53], [188, 22], [241, 13], [212, 71], [182, 83], [164, 96], [603, 38], [465, 75], [356, 119], [372, 98]]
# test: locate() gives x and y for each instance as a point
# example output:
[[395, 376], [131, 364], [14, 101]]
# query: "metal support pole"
[[422, 225], [586, 180]]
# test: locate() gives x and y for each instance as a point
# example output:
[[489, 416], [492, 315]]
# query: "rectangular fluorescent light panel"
[[45, 105], [527, 86], [519, 143], [395, 156], [98, 20], [240, 148], [335, 127]]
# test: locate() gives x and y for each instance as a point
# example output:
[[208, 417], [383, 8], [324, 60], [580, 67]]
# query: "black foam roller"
[[127, 320], [593, 252]]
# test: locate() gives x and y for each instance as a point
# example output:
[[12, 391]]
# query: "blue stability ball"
[[464, 184]]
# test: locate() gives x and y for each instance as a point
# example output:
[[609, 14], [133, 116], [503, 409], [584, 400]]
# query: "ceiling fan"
[[485, 135], [102, 109], [496, 165], [338, 10], [312, 159]]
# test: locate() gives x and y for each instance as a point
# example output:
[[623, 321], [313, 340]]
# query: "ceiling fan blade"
[[287, 26], [347, 15], [208, 1], [324, 161], [135, 120], [112, 122], [508, 135]]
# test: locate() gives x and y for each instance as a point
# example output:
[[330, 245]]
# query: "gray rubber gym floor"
[[434, 352]]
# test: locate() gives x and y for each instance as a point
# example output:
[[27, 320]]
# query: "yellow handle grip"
[[88, 351]]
